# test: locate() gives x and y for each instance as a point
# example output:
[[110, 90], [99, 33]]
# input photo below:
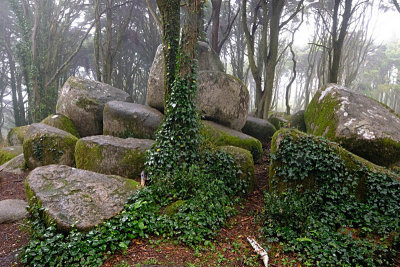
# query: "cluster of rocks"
[[85, 158]]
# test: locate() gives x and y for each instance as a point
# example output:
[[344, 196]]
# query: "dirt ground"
[[230, 248], [12, 235]]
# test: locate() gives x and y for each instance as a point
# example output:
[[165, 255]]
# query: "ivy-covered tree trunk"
[[177, 140], [170, 19]]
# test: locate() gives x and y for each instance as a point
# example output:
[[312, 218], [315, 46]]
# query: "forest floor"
[[230, 247]]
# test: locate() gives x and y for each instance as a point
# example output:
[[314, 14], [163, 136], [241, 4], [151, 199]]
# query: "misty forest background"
[[43, 42]]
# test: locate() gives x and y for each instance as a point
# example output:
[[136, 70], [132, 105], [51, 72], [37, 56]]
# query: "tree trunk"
[[338, 41], [216, 10], [170, 17]]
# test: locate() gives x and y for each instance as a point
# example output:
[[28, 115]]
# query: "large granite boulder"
[[14, 166], [45, 145], [359, 123], [307, 175], [83, 102], [16, 135], [112, 155], [61, 122], [12, 210], [219, 135], [76, 197], [261, 129], [208, 60], [9, 152], [244, 160], [221, 97], [123, 119]]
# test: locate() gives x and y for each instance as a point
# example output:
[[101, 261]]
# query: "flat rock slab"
[[83, 102], [15, 165], [112, 155], [359, 123], [12, 210], [45, 145], [123, 119], [77, 197], [261, 129]]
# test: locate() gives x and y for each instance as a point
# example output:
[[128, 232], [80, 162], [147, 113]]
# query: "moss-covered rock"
[[278, 122], [261, 129], [219, 135], [297, 121], [16, 135], [45, 145], [83, 102], [15, 166], [244, 159], [173, 208], [9, 152], [76, 197], [112, 155], [61, 122], [359, 123], [122, 119], [352, 162]]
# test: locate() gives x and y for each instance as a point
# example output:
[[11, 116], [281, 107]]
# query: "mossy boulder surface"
[[83, 102], [359, 123], [16, 135], [112, 155], [352, 162], [123, 119], [219, 135], [47, 145], [61, 122], [261, 129], [14, 166], [9, 152], [76, 197], [244, 160], [297, 121], [278, 122]]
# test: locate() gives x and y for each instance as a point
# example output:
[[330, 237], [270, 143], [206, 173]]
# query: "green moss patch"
[[320, 117], [5, 156], [88, 156]]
